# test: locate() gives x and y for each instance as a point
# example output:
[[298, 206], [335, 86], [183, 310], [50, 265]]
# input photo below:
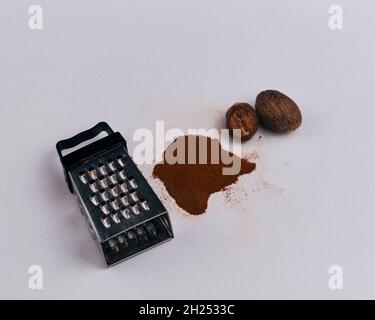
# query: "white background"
[[310, 203]]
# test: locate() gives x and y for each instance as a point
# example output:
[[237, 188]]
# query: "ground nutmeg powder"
[[190, 183]]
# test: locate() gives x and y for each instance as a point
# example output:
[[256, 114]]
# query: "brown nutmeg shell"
[[278, 112], [242, 116]]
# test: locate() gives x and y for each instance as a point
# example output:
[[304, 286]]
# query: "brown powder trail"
[[192, 184]]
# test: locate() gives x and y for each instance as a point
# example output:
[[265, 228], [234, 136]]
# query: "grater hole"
[[123, 187], [102, 169], [131, 236], [134, 196], [115, 191], [141, 234], [104, 195], [135, 209], [132, 183], [121, 174], [115, 218], [94, 199], [111, 165], [83, 177], [93, 173], [121, 160], [151, 230], [124, 200], [113, 244], [105, 209], [122, 240], [115, 204], [104, 182], [106, 222], [94, 186], [125, 213], [144, 205], [112, 178]]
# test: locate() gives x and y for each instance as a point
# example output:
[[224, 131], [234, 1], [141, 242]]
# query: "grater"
[[124, 215]]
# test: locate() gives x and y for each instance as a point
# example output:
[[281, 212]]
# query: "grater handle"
[[82, 137]]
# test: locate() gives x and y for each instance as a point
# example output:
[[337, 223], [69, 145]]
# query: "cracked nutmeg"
[[277, 112], [242, 116]]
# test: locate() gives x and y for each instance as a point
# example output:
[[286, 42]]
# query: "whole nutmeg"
[[242, 116], [277, 111]]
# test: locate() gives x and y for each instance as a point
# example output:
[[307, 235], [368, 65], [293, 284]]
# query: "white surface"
[[309, 205]]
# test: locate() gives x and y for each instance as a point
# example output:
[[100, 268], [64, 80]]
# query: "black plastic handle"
[[82, 137], [75, 157]]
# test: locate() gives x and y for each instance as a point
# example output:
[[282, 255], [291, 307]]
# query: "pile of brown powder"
[[192, 184]]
